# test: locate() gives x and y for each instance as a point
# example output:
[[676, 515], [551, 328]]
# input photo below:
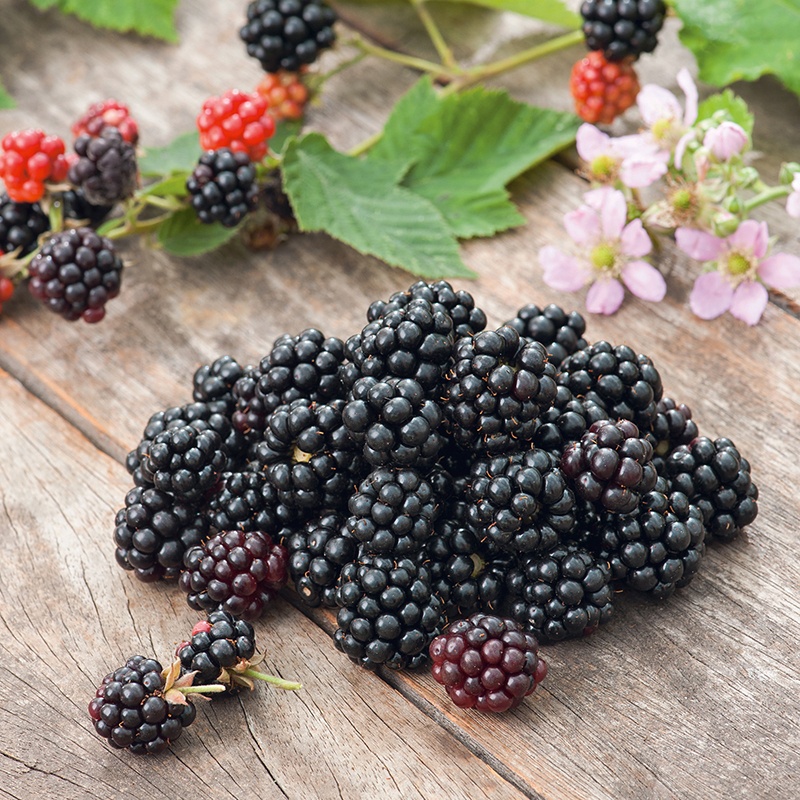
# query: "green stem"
[[211, 688], [421, 64], [772, 193], [442, 48], [316, 81], [279, 683], [132, 227], [362, 147]]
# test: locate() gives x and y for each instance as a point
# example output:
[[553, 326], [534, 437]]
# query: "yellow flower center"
[[662, 128], [603, 167], [603, 256], [681, 200], [738, 264]]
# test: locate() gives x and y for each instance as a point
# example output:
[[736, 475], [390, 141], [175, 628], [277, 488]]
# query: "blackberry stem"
[[210, 688], [279, 683], [421, 64], [442, 48], [768, 194]]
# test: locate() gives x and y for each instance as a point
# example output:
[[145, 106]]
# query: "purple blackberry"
[[75, 274], [622, 28], [497, 387], [394, 423], [388, 613], [106, 170], [610, 465], [153, 532], [566, 421], [560, 332], [251, 411], [561, 595], [214, 382], [223, 187], [21, 225], [716, 478], [287, 34], [673, 426]]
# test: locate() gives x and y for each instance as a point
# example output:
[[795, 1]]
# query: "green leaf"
[[735, 108], [146, 17], [173, 186], [359, 203], [180, 155], [742, 40], [6, 100], [553, 11], [284, 130], [183, 234]]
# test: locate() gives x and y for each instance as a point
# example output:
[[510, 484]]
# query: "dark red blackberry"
[[521, 501], [560, 332], [75, 274], [77, 207], [106, 170], [308, 455], [610, 465], [394, 423], [215, 381], [467, 318], [393, 511], [622, 28], [317, 554], [672, 426], [627, 385], [716, 478], [234, 571], [561, 595], [21, 225], [487, 662], [415, 341], [286, 34], [223, 187], [131, 709], [566, 420], [154, 531], [388, 612]]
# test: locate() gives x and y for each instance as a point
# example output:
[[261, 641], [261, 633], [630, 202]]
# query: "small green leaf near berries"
[[184, 235], [6, 101], [552, 11], [180, 155], [734, 107]]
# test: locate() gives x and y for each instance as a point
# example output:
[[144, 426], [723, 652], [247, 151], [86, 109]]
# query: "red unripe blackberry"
[[285, 93], [487, 663], [21, 225], [602, 90], [106, 170], [234, 571], [75, 274], [238, 121], [28, 159], [109, 112], [223, 187]]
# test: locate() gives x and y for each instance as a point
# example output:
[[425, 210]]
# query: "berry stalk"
[[432, 29], [278, 683]]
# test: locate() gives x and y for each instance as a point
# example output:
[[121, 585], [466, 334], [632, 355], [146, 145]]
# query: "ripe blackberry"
[[561, 595], [223, 187], [109, 112], [394, 423], [393, 511], [214, 382], [308, 454], [487, 662], [602, 90], [75, 274], [317, 554], [560, 332], [130, 708], [28, 158], [622, 28], [106, 170], [716, 478], [467, 318], [21, 225], [286, 34], [415, 341], [250, 414], [77, 207], [495, 390], [238, 121], [276, 201], [610, 465], [672, 426], [153, 532], [388, 613], [184, 461], [521, 501], [234, 571], [285, 93], [566, 421], [627, 385], [218, 644]]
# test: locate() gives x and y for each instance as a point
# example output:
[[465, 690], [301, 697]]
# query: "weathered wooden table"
[[697, 697]]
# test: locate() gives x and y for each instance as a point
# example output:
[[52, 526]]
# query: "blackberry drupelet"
[[673, 426], [21, 225], [251, 411], [487, 662], [106, 170], [153, 532], [235, 571], [560, 332], [75, 274], [223, 187], [388, 613], [286, 34], [627, 385], [317, 554], [716, 478], [77, 207], [495, 390], [394, 423], [129, 709], [610, 465], [393, 511], [564, 594], [566, 421], [214, 382], [467, 318], [622, 28]]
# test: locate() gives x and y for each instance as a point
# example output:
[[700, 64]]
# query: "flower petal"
[[634, 240], [656, 103], [562, 271], [793, 205], [690, 90], [699, 244], [637, 171], [680, 147], [750, 237], [605, 296], [780, 271], [749, 301], [613, 209], [726, 140], [711, 295], [583, 225], [645, 281], [592, 142]]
